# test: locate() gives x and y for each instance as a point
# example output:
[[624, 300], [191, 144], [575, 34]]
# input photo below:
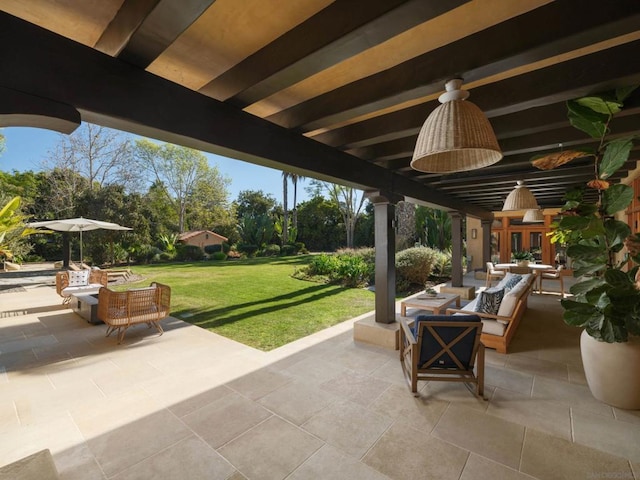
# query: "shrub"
[[323, 264], [301, 248], [352, 271], [442, 264], [189, 253], [288, 250], [219, 256], [248, 249], [145, 253], [271, 250], [347, 268], [414, 266], [166, 256], [32, 257], [211, 249]]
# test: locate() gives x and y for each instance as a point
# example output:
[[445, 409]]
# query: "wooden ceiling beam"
[[126, 22], [133, 100], [533, 36], [343, 29], [159, 29], [592, 73]]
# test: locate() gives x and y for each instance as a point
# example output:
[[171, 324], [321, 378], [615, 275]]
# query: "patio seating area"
[[192, 404]]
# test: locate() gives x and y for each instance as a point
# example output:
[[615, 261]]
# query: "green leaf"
[[583, 118], [615, 154], [587, 285], [585, 251], [623, 92], [574, 318], [616, 278], [616, 198], [572, 222], [616, 232], [600, 104]]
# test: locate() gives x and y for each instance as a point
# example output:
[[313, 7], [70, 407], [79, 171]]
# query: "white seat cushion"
[[492, 327]]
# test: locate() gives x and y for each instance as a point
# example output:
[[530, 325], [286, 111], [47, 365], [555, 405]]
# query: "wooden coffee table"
[[435, 305]]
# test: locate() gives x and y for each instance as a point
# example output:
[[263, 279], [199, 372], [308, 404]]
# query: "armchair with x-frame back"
[[442, 348]]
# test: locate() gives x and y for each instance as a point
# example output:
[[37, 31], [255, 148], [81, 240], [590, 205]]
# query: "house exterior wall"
[[203, 239]]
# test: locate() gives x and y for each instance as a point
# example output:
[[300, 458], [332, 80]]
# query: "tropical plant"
[[13, 229], [606, 299], [522, 255]]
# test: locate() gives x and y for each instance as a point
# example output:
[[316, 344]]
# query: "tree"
[[183, 175], [349, 201], [319, 224], [434, 227], [254, 202], [99, 154]]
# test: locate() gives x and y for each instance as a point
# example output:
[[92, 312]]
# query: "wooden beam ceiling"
[[333, 90]]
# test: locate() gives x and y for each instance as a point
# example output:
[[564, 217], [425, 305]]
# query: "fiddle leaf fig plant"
[[606, 298]]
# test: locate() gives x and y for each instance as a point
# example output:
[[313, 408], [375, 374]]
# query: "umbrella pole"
[[80, 248]]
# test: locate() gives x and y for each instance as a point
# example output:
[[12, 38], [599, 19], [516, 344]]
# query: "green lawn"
[[255, 301]]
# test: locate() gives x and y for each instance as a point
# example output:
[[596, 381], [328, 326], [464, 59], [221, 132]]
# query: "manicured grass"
[[255, 301]]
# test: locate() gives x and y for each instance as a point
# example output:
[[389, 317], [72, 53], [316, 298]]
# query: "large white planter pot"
[[613, 371]]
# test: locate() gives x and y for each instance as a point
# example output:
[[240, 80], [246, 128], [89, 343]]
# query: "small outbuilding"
[[201, 238]]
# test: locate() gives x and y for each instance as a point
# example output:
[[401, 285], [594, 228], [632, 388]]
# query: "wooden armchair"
[[442, 348]]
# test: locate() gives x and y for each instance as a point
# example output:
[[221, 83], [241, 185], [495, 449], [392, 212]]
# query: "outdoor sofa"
[[509, 301]]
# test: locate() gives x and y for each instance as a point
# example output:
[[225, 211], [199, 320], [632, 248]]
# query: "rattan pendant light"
[[533, 216], [456, 136], [520, 198]]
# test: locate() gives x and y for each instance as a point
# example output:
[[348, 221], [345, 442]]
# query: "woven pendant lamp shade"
[[456, 137], [533, 216], [520, 198]]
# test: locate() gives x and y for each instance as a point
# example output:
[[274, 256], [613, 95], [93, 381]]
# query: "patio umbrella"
[[77, 225]]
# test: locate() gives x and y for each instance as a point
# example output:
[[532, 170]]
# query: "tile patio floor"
[[193, 405]]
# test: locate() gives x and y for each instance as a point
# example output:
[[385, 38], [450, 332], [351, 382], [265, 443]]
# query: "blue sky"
[[26, 147]]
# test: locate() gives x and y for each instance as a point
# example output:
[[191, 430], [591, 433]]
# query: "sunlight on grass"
[[255, 301]]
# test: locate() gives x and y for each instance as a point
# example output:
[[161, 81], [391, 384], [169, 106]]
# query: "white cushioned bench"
[[498, 329]]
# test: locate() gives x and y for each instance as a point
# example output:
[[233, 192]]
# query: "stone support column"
[[486, 242], [385, 261]]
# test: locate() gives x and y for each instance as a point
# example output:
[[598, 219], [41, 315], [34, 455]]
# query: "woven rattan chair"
[[442, 348], [121, 310], [94, 279]]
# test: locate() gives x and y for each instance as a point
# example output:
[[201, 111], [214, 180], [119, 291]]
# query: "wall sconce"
[[474, 233]]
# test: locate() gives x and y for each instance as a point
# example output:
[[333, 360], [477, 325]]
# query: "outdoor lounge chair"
[[442, 348]]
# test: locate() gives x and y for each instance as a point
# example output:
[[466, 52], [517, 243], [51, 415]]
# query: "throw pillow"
[[511, 281], [78, 278], [489, 301]]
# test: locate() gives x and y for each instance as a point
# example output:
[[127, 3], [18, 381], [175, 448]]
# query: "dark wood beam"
[[19, 109], [541, 33], [117, 94], [160, 28], [128, 19], [343, 29], [592, 73]]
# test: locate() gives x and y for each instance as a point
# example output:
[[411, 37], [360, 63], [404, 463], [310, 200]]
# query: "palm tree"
[[294, 180], [285, 212]]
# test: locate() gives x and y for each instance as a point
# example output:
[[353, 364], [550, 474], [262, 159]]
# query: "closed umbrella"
[[77, 225]]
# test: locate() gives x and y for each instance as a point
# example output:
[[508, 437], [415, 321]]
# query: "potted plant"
[[522, 258], [606, 298]]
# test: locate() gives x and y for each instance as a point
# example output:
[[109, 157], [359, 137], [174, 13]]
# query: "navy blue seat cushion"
[[430, 347]]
